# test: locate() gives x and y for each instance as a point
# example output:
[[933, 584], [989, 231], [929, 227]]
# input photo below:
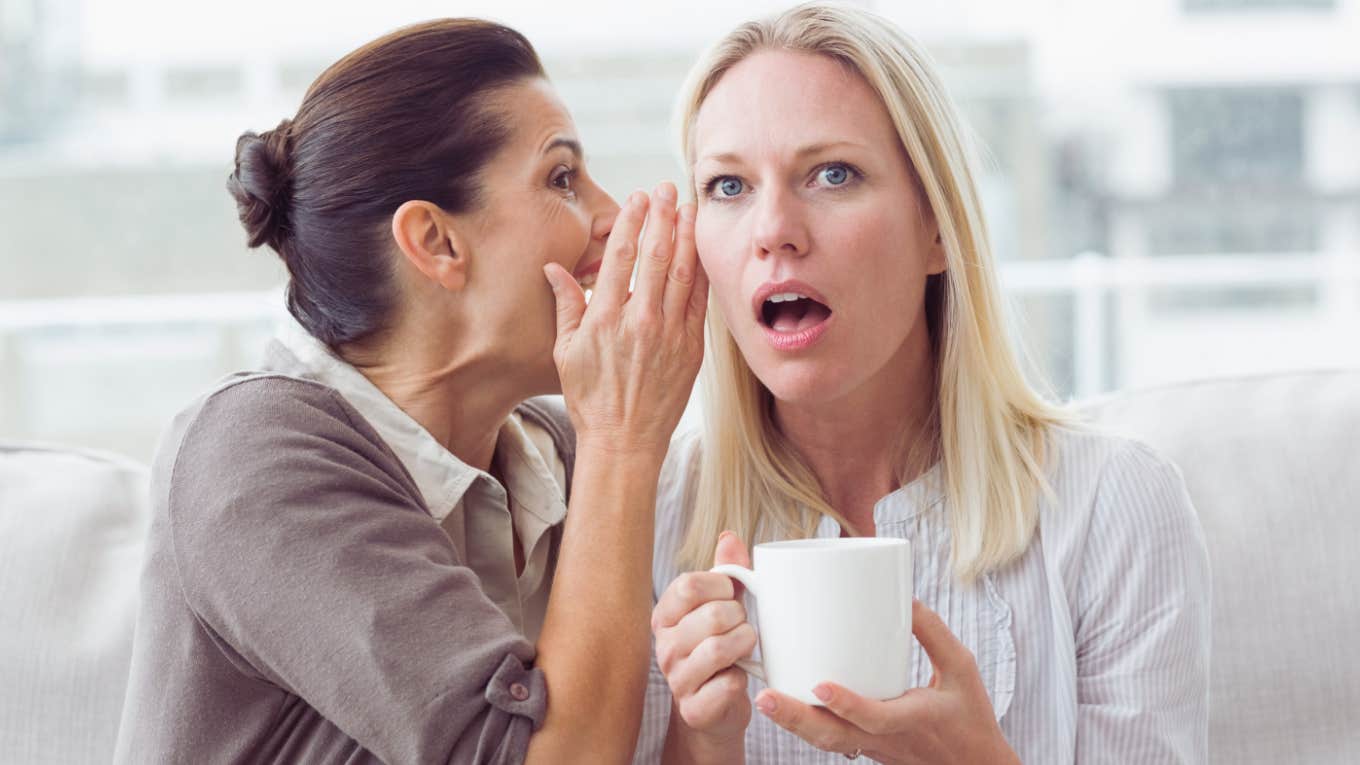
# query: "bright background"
[[1173, 185]]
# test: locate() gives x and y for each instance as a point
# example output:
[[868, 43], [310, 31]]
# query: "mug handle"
[[747, 577]]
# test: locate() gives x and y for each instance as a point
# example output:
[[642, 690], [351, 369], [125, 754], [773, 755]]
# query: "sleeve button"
[[518, 692]]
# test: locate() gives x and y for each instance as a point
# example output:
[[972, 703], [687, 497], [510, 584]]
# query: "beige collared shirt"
[[477, 511]]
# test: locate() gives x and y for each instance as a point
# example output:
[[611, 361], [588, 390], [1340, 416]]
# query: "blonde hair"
[[991, 424]]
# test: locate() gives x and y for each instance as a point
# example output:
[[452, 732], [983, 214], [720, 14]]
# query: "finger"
[[951, 658], [710, 702], [714, 654], [680, 282], [569, 298], [731, 550], [658, 245], [698, 301], [715, 617], [620, 252], [818, 727], [687, 593], [869, 715]]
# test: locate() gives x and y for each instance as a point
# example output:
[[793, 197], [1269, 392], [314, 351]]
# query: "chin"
[[802, 382]]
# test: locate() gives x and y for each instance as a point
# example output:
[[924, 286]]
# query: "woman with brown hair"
[[362, 550]]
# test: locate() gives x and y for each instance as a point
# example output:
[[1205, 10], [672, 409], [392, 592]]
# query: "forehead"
[[776, 100], [534, 113]]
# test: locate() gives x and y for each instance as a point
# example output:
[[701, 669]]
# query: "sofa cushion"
[[72, 525], [1273, 466]]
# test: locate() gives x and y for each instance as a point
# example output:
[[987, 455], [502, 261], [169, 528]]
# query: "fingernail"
[[822, 692], [551, 273], [637, 199], [765, 704], [665, 192]]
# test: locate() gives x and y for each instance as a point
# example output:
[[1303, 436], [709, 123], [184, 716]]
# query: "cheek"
[[708, 241], [720, 252], [891, 257], [568, 236]]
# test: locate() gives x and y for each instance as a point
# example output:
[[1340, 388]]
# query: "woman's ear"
[[429, 242]]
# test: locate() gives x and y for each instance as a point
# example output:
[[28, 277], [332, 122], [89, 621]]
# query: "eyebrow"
[[569, 144], [812, 148]]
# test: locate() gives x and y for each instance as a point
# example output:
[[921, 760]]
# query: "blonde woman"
[[859, 382]]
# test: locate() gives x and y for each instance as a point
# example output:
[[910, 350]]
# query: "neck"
[[447, 391], [856, 444]]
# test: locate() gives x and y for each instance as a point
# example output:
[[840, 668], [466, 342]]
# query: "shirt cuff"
[[519, 690]]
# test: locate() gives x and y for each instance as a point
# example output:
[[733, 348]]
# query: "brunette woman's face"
[[811, 227], [539, 206]]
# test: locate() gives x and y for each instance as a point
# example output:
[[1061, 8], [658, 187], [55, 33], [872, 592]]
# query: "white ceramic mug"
[[831, 610]]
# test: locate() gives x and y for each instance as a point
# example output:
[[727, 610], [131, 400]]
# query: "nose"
[[779, 226], [603, 212]]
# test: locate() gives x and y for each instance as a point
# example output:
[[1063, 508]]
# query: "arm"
[[594, 645], [627, 365], [1142, 621]]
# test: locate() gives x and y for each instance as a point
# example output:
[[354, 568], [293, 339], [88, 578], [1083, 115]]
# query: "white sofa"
[[1273, 465], [72, 525], [1272, 462]]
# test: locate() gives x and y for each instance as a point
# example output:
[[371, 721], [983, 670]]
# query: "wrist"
[[636, 452], [712, 748]]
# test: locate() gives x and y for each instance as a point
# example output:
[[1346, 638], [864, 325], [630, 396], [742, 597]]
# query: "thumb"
[[732, 550], [951, 658], [569, 297]]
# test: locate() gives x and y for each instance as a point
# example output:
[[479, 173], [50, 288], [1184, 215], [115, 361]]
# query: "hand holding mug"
[[949, 721], [701, 632]]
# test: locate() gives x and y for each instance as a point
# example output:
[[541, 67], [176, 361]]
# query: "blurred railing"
[[56, 350], [1092, 279]]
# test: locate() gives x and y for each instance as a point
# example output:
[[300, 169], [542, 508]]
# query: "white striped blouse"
[[1094, 645]]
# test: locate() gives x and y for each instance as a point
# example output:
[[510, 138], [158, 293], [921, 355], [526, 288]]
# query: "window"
[[1198, 224], [1231, 136]]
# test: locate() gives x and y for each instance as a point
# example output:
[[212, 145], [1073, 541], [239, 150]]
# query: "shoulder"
[[1088, 467], [272, 410], [256, 434], [1114, 499]]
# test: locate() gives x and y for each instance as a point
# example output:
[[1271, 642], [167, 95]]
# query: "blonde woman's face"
[[811, 228]]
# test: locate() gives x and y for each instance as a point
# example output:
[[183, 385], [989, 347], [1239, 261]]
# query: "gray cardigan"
[[299, 604]]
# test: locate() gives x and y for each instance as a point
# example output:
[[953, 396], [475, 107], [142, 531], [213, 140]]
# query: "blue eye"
[[729, 187], [835, 175]]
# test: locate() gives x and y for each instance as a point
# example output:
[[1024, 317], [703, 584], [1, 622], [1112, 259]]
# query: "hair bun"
[[261, 185]]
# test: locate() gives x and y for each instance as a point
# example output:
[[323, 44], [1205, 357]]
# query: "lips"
[[793, 314], [586, 274]]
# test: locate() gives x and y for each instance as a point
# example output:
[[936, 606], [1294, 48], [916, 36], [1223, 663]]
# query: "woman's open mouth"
[[794, 316], [587, 275]]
